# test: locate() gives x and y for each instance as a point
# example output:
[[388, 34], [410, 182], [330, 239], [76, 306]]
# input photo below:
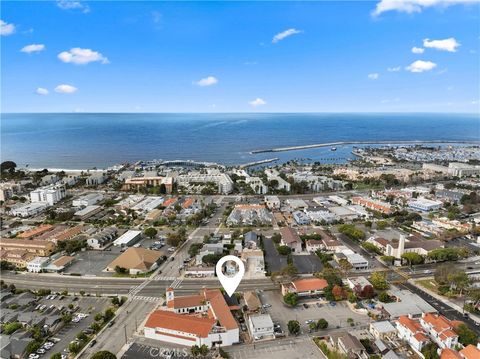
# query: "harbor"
[[342, 143]]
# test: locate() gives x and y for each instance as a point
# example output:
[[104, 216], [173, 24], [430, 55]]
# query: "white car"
[[34, 356]]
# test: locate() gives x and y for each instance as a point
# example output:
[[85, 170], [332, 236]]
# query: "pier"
[[251, 164], [341, 143]]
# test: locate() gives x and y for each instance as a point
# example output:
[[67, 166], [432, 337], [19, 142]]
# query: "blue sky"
[[92, 56]]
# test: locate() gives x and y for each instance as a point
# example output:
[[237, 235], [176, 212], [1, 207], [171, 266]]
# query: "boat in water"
[[333, 149]]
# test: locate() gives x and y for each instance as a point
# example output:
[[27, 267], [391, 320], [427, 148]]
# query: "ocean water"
[[86, 140]]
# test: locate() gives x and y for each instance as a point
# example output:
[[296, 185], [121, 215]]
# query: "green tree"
[[291, 299], [74, 347], [429, 351], [384, 297], [120, 270], [293, 327], [150, 232], [8, 166], [284, 250], [412, 258], [379, 280], [56, 356], [322, 324], [32, 346], [109, 314], [103, 354], [466, 336]]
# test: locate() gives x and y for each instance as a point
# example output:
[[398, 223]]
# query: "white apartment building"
[[95, 179], [49, 194], [273, 174], [222, 180]]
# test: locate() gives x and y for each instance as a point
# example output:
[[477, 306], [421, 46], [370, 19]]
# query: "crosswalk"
[[147, 298], [176, 283], [163, 278]]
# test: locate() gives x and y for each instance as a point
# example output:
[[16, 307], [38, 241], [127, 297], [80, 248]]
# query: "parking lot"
[[336, 316], [307, 263], [93, 262], [86, 305]]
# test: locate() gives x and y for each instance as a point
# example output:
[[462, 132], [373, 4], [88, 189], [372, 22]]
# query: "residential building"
[[274, 175], [348, 345], [411, 331], [149, 181], [249, 214], [49, 194], [379, 206], [223, 181], [18, 257], [251, 240], [272, 202], [382, 330], [471, 352], [306, 287], [8, 189], [102, 239], [313, 245], [38, 247], [291, 239], [36, 231], [301, 218], [95, 179], [257, 185], [260, 326], [148, 204], [440, 330]]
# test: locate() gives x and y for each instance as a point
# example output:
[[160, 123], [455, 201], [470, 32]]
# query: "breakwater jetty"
[[341, 143]]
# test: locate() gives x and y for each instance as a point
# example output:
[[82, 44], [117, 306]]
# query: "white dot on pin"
[[230, 271]]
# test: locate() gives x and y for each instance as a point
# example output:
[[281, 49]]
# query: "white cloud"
[[421, 66], [282, 35], [412, 6], [6, 29], [394, 69], [258, 102], [418, 50], [64, 88], [73, 5], [33, 48], [207, 81], [373, 76], [449, 44], [41, 91], [80, 56]]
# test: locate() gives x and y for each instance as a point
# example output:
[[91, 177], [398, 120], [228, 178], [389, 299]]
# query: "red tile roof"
[[310, 284], [198, 326], [470, 352]]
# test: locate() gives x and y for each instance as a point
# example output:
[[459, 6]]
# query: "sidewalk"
[[445, 300]]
